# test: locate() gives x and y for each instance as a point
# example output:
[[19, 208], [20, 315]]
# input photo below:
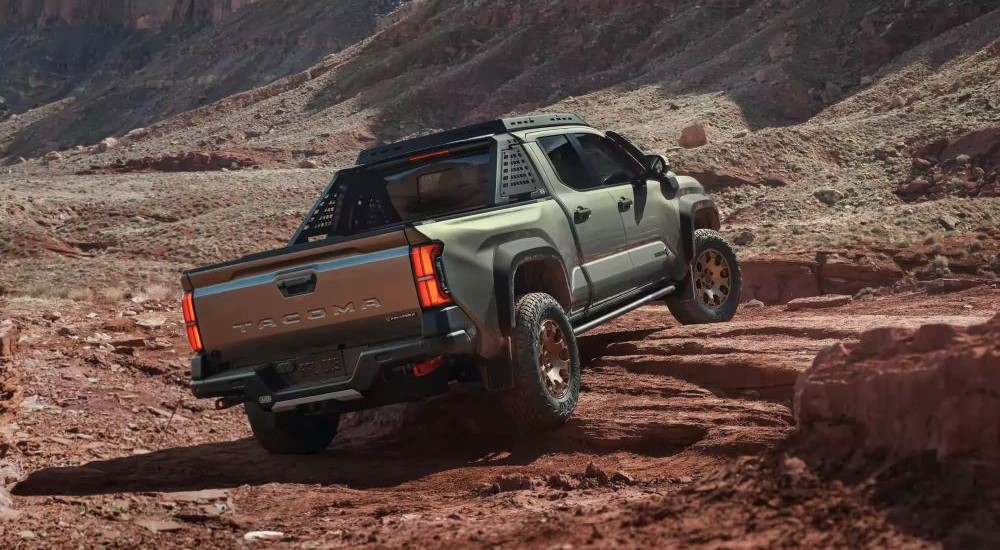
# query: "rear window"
[[376, 197]]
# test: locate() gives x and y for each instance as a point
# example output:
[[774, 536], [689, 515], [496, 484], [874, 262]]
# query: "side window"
[[567, 162], [613, 166]]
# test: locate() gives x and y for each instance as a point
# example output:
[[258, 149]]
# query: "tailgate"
[[348, 294]]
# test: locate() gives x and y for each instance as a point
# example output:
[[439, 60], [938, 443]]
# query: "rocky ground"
[[110, 449], [852, 147]]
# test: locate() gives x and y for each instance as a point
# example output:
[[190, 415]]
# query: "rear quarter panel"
[[470, 247]]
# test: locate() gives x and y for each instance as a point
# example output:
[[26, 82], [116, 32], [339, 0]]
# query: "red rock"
[[191, 161], [775, 279], [693, 136], [158, 526], [9, 337], [819, 302], [934, 389], [946, 285], [932, 337], [919, 186], [778, 279], [515, 482], [882, 341], [840, 275]]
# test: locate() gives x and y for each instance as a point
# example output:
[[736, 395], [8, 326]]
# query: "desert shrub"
[[112, 294], [80, 294]]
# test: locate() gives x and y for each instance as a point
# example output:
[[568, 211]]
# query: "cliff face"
[[124, 64], [130, 14], [59, 44]]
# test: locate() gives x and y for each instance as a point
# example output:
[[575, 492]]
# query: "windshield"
[[377, 197]]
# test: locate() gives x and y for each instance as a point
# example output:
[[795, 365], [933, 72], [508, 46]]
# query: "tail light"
[[429, 275], [191, 322]]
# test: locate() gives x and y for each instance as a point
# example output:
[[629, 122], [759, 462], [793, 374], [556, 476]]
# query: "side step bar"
[[623, 310]]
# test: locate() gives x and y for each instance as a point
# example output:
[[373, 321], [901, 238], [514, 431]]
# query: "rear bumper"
[[357, 379]]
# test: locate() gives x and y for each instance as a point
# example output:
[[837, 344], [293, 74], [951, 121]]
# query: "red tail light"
[[427, 273], [191, 321]]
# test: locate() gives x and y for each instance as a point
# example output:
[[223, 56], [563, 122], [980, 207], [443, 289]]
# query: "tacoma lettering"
[[311, 315]]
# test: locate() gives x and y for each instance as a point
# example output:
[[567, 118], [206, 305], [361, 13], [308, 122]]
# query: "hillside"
[[94, 69], [853, 148], [790, 111]]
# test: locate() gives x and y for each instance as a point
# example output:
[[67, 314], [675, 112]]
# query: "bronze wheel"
[[711, 293], [713, 278], [553, 358], [545, 363]]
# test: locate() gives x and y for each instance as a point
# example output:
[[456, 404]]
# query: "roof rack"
[[482, 129]]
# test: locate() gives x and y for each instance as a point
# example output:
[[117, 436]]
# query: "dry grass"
[[113, 295], [80, 294]]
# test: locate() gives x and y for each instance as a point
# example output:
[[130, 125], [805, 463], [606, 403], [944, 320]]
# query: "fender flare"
[[508, 258], [690, 207]]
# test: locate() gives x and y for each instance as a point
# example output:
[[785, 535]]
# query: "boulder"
[[828, 195], [107, 144], [904, 391], [506, 483], [778, 279], [308, 164], [693, 136], [819, 302], [744, 238], [949, 223], [845, 275]]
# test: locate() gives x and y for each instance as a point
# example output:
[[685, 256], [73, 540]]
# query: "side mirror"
[[657, 165]]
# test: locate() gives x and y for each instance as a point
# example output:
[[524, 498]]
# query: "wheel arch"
[[528, 265], [697, 211]]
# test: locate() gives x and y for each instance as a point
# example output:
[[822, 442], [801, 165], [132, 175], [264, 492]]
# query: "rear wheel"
[[293, 432], [712, 292], [546, 365]]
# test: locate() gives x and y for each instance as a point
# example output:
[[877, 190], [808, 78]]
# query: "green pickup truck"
[[471, 257]]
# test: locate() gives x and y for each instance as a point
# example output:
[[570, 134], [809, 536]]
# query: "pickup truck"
[[470, 257]]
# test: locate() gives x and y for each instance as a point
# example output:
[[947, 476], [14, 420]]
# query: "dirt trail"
[[104, 426]]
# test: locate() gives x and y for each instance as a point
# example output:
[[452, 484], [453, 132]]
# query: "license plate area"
[[306, 370]]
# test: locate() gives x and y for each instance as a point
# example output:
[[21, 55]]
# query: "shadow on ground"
[[443, 444]]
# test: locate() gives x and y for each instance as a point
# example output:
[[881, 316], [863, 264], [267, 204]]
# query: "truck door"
[[595, 218], [643, 208]]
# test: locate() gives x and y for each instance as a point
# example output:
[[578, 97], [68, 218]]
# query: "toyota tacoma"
[[471, 257]]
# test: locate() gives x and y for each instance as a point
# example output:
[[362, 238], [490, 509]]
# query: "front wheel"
[[712, 292], [292, 432], [546, 365]]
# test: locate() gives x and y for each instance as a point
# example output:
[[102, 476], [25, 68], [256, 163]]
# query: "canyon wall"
[[130, 14]]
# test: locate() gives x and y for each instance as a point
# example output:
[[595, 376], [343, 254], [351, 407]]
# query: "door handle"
[[624, 205], [298, 285], [582, 214]]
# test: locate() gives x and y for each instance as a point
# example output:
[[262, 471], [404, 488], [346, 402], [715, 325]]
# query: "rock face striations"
[[933, 389], [98, 68], [130, 14]]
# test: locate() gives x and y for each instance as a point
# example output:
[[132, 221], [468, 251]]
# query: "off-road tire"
[[530, 403], [293, 432], [687, 305]]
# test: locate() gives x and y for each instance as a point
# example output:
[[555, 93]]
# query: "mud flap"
[[498, 373], [685, 290]]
